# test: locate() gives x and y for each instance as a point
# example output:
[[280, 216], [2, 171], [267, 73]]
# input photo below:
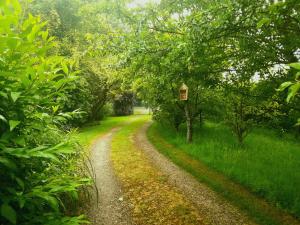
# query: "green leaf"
[[3, 94], [8, 163], [32, 35], [44, 155], [52, 201], [21, 201], [65, 68], [45, 35], [20, 182], [3, 118], [263, 21], [55, 108], [13, 124], [19, 141], [13, 42], [295, 65], [298, 123], [16, 5], [15, 96], [9, 213], [284, 85], [293, 91]]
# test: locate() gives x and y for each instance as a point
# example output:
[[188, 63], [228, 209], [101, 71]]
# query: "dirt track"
[[111, 209], [213, 208]]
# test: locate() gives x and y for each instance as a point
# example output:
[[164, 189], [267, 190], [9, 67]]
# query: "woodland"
[[68, 64]]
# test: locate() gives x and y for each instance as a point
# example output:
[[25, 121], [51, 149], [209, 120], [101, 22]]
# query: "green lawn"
[[268, 165], [89, 133], [86, 135]]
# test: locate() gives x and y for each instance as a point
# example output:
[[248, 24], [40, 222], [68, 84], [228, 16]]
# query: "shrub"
[[35, 164]]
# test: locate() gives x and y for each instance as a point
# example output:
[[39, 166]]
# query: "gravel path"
[[213, 207], [110, 209]]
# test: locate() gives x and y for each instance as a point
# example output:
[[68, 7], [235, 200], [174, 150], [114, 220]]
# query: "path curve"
[[110, 209], [214, 209]]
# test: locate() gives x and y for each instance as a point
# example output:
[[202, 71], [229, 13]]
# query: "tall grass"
[[268, 164]]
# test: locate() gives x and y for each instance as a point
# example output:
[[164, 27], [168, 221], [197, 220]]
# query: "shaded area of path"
[[110, 209], [215, 209]]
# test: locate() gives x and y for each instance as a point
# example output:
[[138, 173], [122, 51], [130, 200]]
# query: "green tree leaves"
[[295, 66], [9, 213], [15, 95], [233, 48], [292, 86], [293, 89], [34, 153], [13, 124]]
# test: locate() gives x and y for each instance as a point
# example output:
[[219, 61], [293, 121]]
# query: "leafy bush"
[[35, 164]]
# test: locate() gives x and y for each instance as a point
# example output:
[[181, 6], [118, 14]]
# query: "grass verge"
[[215, 159]]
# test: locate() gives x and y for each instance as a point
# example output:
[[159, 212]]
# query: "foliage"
[[36, 171], [98, 87], [293, 87], [83, 33], [217, 47]]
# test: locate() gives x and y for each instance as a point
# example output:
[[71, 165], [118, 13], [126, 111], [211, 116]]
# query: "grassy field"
[[268, 165]]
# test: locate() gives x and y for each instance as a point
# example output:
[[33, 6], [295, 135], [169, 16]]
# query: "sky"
[[136, 3]]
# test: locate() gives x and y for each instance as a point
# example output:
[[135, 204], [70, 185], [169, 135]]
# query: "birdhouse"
[[183, 92]]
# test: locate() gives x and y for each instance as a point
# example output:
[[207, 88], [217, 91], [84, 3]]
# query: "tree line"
[[239, 58]]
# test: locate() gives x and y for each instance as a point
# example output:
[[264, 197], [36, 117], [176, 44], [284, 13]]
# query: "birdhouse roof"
[[183, 87]]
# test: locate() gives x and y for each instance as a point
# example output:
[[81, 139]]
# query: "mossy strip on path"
[[153, 200]]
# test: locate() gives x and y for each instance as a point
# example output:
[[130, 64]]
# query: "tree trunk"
[[201, 118], [189, 124]]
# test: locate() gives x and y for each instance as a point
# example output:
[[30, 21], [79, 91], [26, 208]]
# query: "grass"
[[87, 134], [153, 200], [139, 110], [268, 166]]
